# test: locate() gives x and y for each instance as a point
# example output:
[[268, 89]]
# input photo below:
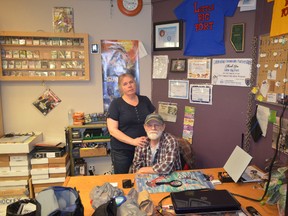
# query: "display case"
[[29, 56], [86, 141]]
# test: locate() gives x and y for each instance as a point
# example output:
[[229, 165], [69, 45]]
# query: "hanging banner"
[[118, 57], [188, 125], [279, 18]]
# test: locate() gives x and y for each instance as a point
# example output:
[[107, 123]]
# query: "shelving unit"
[[29, 56], [81, 145]]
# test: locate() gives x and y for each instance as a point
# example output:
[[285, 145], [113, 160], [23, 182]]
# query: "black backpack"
[[60, 201]]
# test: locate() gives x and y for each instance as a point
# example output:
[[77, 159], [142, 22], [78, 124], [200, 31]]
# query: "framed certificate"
[[178, 89], [168, 35]]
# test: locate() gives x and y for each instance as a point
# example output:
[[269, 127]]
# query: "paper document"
[[252, 174]]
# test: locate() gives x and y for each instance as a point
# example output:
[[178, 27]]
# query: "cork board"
[[272, 77]]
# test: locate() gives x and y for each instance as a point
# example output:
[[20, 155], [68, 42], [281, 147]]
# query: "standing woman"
[[126, 116]]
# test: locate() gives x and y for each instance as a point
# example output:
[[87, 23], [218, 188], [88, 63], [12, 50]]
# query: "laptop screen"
[[237, 163]]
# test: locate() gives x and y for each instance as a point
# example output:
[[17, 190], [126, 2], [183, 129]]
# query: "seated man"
[[161, 152]]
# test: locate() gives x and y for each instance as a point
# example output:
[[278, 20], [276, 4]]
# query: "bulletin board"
[[272, 77]]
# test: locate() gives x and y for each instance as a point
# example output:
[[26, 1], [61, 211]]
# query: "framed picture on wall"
[[178, 65], [168, 35], [178, 89]]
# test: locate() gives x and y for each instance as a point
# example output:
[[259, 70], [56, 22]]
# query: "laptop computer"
[[200, 201], [237, 167]]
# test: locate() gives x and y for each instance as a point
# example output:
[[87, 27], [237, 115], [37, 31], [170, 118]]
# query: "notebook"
[[200, 201], [237, 163]]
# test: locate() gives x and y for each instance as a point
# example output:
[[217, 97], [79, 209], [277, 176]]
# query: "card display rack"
[[86, 141], [29, 56]]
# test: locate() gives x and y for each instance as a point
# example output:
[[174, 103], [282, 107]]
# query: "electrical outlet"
[[92, 170]]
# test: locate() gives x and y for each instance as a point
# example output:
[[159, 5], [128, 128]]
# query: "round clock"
[[130, 7]]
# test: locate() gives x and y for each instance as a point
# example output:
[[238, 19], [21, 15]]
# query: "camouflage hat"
[[155, 117]]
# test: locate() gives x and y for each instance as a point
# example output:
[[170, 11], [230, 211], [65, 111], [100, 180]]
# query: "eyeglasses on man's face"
[[156, 126]]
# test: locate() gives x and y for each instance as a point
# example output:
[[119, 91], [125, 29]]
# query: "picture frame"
[[178, 65], [178, 89], [237, 37], [168, 35]]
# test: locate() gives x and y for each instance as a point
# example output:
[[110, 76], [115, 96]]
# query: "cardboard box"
[[39, 171], [19, 157], [24, 172], [39, 187], [5, 168], [13, 183], [57, 175], [19, 163], [5, 164], [59, 160], [40, 166], [19, 168], [20, 147], [42, 176], [4, 158], [90, 152], [49, 180], [39, 161], [59, 169], [13, 178]]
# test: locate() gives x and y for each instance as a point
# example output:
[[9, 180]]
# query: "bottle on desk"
[[70, 116]]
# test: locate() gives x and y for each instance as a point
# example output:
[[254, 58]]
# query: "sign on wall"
[[231, 72]]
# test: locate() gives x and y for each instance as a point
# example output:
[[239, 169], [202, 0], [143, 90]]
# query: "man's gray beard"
[[154, 136]]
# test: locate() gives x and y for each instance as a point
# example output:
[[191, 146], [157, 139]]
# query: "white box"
[[4, 169], [19, 168], [39, 161], [14, 173], [39, 171], [19, 157], [19, 163], [42, 176], [59, 169], [20, 147], [13, 183], [50, 180]]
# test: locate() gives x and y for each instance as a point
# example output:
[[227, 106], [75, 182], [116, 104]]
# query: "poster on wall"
[[118, 57], [231, 72], [47, 101], [188, 123], [160, 66], [63, 19], [168, 111]]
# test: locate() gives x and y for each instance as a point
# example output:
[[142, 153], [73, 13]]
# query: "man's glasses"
[[156, 126]]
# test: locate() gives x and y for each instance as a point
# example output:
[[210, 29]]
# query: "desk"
[[85, 184]]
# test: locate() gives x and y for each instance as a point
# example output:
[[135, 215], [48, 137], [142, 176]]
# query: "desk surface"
[[85, 184]]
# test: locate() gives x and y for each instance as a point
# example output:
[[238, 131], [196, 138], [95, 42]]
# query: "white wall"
[[100, 21]]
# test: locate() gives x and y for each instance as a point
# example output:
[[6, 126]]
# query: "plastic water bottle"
[[70, 117]]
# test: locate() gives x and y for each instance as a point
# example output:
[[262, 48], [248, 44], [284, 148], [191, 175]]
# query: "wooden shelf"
[[29, 56], [77, 152]]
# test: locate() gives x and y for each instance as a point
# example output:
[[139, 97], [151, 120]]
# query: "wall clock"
[[130, 7]]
